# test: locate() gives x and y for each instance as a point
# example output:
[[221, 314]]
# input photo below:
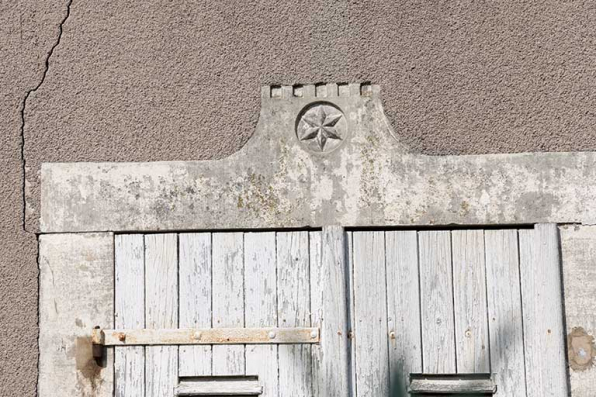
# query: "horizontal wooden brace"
[[205, 336], [219, 386], [452, 384]]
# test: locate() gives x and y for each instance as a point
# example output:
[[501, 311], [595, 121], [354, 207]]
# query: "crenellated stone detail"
[[319, 90]]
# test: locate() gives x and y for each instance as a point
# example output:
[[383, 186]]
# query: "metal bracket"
[[204, 336]]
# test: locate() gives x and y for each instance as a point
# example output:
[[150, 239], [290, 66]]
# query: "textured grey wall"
[[164, 80]]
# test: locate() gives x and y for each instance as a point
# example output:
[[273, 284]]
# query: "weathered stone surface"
[[76, 294], [277, 181]]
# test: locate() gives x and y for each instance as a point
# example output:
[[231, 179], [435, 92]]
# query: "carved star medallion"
[[322, 127]]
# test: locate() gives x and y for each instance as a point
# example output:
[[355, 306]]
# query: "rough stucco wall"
[[27, 30], [163, 80]]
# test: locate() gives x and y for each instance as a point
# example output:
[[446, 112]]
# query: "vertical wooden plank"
[[469, 293], [370, 311], [71, 266], [129, 362], [195, 300], [293, 310], [546, 373], [161, 311], [578, 251], [317, 315], [328, 269], [260, 280], [228, 299], [505, 312], [436, 292], [403, 308], [351, 310]]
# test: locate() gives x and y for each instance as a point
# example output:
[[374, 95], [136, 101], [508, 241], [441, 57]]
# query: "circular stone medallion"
[[321, 127]]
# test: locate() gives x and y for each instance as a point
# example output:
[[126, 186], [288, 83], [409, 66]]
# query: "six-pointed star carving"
[[320, 126]]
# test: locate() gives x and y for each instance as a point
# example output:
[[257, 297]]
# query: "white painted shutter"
[[428, 301]]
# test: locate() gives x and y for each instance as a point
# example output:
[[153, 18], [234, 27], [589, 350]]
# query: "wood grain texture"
[[129, 362], [228, 299], [436, 294], [403, 308], [220, 387], [370, 311], [195, 300], [317, 315], [578, 250], [293, 310], [505, 312], [351, 309], [469, 293], [328, 269], [76, 293], [458, 387], [540, 268], [161, 311], [260, 281]]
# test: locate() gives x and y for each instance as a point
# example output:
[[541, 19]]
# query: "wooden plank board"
[[76, 293], [436, 293], [469, 293], [220, 387], [129, 362], [370, 311], [403, 308], [195, 300], [161, 311], [293, 310], [505, 312], [578, 251], [260, 283], [453, 385], [351, 311], [228, 299], [328, 275], [540, 269], [317, 285]]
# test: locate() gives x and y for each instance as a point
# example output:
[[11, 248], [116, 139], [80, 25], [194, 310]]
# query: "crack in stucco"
[[24, 107]]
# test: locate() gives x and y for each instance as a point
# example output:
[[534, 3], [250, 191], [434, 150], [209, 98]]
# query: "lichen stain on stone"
[[86, 365], [581, 349]]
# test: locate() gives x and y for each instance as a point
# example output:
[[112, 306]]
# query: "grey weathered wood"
[[129, 362], [317, 283], [578, 250], [469, 293], [76, 293], [195, 299], [161, 311], [370, 311], [228, 299], [260, 284], [403, 308], [205, 336], [505, 312], [220, 387], [328, 275], [453, 386], [293, 310], [542, 301], [436, 295], [351, 304]]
